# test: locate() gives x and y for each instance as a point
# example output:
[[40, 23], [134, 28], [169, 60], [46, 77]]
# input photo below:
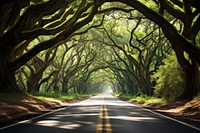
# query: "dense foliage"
[[85, 46], [169, 79]]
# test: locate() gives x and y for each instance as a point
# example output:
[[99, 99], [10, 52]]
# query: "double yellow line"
[[104, 125]]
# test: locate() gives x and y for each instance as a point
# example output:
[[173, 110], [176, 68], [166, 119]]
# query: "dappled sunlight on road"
[[128, 118], [58, 124], [101, 113], [73, 118]]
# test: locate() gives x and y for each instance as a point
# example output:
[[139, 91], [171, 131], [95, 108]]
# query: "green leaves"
[[169, 79]]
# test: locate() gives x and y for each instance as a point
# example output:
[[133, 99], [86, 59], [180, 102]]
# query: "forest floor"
[[20, 105]]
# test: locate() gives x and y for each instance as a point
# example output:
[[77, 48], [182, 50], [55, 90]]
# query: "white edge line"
[[26, 121], [181, 122]]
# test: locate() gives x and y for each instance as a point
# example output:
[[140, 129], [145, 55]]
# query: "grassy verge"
[[56, 96], [142, 99]]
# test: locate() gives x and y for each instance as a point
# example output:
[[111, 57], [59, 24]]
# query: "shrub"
[[170, 83]]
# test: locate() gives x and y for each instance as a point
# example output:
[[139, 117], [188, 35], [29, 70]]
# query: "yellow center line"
[[103, 115], [108, 125], [100, 125]]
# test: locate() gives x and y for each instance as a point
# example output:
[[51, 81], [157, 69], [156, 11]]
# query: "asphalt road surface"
[[100, 114]]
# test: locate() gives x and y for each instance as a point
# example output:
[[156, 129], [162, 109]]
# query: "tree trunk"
[[191, 74], [33, 84], [7, 75], [191, 81], [189, 66]]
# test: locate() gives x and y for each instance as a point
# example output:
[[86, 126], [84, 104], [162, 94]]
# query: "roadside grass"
[[57, 96], [142, 99], [16, 98]]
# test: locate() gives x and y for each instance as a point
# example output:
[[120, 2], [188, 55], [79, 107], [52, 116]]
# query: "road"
[[100, 114]]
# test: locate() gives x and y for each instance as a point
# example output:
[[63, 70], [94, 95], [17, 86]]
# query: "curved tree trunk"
[[7, 75], [191, 71], [191, 81]]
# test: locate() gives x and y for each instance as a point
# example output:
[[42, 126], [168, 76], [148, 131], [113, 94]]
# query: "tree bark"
[[191, 71], [191, 81], [4, 2], [7, 75], [33, 83]]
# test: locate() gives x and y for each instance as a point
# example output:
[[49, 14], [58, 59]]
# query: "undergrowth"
[[142, 98], [57, 96]]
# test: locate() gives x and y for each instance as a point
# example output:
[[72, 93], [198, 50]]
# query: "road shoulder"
[[187, 112], [24, 106]]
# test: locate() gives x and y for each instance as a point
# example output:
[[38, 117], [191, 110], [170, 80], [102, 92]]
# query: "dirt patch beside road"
[[17, 105], [187, 111]]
